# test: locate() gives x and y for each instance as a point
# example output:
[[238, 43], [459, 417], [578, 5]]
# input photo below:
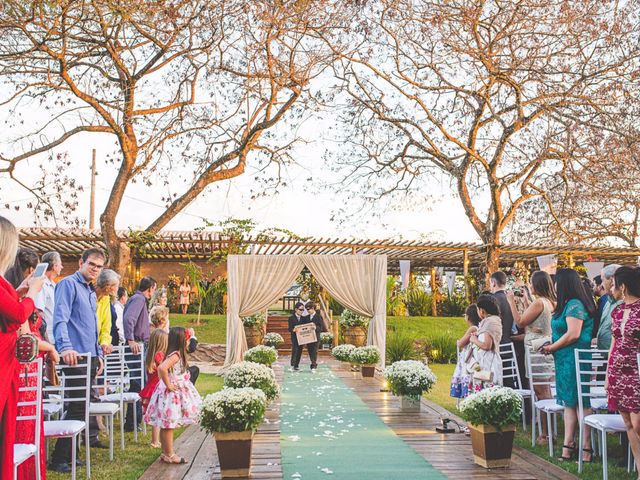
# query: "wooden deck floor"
[[451, 454]]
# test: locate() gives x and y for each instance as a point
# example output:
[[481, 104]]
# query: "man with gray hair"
[[603, 339], [45, 299]]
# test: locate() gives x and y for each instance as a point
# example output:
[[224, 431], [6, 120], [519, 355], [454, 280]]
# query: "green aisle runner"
[[328, 432]]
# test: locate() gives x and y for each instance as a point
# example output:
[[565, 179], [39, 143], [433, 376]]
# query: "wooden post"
[[571, 262], [434, 293], [92, 203], [465, 273]]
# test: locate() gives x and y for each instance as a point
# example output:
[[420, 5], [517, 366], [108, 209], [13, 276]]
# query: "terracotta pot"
[[409, 403], [234, 452], [368, 370], [355, 336], [492, 447], [254, 336]]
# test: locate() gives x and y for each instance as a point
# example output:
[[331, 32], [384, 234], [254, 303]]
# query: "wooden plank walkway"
[[451, 453]]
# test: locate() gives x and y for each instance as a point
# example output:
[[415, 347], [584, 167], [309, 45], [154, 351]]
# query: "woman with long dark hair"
[[571, 327], [462, 380]]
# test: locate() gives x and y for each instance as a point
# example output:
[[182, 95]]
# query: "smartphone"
[[40, 270]]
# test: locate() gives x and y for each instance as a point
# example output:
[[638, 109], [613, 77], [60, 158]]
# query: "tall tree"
[[191, 86], [491, 93]]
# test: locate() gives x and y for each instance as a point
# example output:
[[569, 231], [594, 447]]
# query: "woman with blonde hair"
[[159, 317], [13, 313]]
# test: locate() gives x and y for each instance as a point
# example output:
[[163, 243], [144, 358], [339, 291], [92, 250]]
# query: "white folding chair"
[[107, 409], [132, 369], [113, 377], [541, 373], [588, 362], [73, 428], [510, 370], [23, 451]]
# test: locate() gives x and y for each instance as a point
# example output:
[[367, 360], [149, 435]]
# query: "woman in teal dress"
[[571, 327]]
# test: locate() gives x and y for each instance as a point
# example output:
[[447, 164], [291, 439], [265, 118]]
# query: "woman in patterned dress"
[[623, 380]]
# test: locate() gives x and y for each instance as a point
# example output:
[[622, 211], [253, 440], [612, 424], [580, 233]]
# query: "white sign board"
[[306, 333]]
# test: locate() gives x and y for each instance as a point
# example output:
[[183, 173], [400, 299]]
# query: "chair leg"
[[533, 426], [605, 468], [111, 417], [135, 422], [73, 458], [87, 453], [524, 417], [580, 434], [550, 436]]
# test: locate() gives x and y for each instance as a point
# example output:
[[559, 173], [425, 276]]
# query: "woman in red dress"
[[13, 313], [623, 382]]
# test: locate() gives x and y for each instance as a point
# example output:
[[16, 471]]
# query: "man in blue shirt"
[[75, 328]]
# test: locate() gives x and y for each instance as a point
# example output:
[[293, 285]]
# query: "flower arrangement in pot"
[[325, 340], [342, 353], [492, 415], [261, 354], [254, 375], [367, 357], [409, 379], [273, 339], [354, 328], [254, 328], [232, 415]]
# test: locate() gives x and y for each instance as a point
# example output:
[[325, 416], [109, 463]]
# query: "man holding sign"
[[304, 331]]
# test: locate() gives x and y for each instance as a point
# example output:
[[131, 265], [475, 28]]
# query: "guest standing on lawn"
[[487, 342], [623, 380], [462, 380], [106, 288], [118, 305], [45, 299], [185, 291], [571, 327]]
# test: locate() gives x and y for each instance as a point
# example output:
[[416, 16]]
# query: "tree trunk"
[[492, 261]]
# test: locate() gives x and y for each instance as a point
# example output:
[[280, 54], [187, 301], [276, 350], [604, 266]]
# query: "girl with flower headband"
[[175, 401]]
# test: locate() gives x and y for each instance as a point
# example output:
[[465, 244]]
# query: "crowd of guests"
[[555, 315], [87, 312]]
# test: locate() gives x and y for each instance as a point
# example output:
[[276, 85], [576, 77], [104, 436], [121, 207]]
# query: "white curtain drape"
[[359, 282], [253, 283]]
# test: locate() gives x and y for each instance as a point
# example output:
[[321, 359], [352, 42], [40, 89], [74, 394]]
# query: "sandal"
[[572, 449], [155, 445], [590, 452], [175, 459]]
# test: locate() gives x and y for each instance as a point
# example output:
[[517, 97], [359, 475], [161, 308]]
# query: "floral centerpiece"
[[254, 328], [492, 414], [342, 352], [354, 328], [367, 357], [261, 354], [232, 415], [325, 339], [273, 339], [254, 375], [257, 320], [409, 379]]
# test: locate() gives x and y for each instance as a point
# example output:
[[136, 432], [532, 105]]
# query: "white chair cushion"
[[115, 397], [548, 405], [610, 423], [22, 451], [599, 404], [62, 428], [51, 408], [523, 392], [103, 408], [598, 391]]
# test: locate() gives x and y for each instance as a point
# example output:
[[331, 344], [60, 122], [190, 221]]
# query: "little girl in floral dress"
[[175, 401], [158, 342]]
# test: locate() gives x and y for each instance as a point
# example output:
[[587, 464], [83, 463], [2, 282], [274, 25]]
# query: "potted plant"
[[326, 338], [232, 416], [409, 379], [261, 354], [492, 415], [254, 375], [354, 328], [342, 353], [254, 328], [273, 339], [367, 357]]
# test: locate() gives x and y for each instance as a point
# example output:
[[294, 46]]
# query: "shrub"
[[254, 375], [368, 355], [453, 306], [261, 354], [233, 410], [395, 297], [409, 377], [336, 306], [257, 320], [342, 352], [495, 406], [400, 346], [326, 338], [417, 301], [442, 348], [273, 339], [350, 319]]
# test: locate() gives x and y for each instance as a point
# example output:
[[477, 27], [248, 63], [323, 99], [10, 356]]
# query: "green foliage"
[[350, 319], [395, 297], [453, 305], [261, 354], [336, 306], [495, 406], [255, 320], [368, 355], [197, 279], [213, 302], [140, 240], [441, 347], [417, 301], [326, 338], [400, 346]]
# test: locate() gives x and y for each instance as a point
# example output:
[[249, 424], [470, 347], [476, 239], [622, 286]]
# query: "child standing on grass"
[[158, 342], [175, 401]]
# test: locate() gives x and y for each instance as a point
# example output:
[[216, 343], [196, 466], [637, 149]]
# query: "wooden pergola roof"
[[201, 245]]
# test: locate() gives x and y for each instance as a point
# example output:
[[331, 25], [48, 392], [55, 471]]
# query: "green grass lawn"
[[130, 464], [212, 330]]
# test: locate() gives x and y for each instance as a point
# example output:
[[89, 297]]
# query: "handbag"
[[538, 343], [485, 375], [26, 350]]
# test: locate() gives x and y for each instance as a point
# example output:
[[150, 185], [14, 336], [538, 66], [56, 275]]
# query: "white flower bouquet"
[[273, 339], [257, 320], [254, 375], [368, 355], [261, 354], [495, 406], [409, 378], [350, 319], [326, 338], [233, 410], [343, 352]]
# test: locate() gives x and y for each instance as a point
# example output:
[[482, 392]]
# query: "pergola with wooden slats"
[[200, 245]]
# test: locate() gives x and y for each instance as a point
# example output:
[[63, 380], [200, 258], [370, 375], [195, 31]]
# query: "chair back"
[[133, 364], [77, 380], [510, 368], [539, 370], [36, 387], [113, 374], [589, 377]]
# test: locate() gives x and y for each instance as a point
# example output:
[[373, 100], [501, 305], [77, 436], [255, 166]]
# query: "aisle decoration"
[[354, 328], [254, 375], [232, 416], [273, 339], [326, 338], [367, 357], [254, 328], [261, 354], [342, 353], [409, 379], [492, 415]]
